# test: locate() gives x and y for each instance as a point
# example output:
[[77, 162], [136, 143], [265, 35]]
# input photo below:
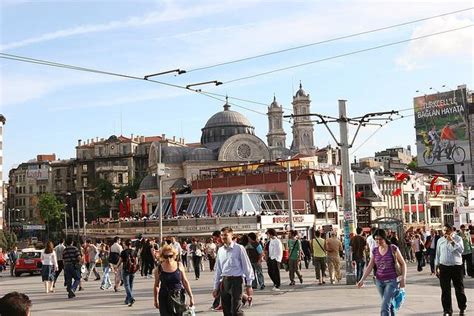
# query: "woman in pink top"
[[386, 275]]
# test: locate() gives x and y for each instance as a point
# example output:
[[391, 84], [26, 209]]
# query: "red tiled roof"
[[194, 145], [149, 139]]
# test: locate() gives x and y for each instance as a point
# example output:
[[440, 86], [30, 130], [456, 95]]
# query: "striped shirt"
[[70, 255], [448, 254]]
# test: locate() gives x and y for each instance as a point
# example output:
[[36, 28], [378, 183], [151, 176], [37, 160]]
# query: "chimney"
[[79, 142], [163, 136], [131, 137], [183, 140], [142, 140], [174, 138], [96, 139]]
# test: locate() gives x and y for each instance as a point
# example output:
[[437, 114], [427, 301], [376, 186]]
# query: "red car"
[[28, 262]]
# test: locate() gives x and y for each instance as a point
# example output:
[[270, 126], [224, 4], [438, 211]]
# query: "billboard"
[[37, 173], [441, 123]]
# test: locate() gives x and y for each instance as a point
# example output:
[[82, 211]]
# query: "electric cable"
[[327, 41], [344, 54]]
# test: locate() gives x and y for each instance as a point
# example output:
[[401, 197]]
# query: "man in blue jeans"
[[358, 245], [72, 263], [128, 259]]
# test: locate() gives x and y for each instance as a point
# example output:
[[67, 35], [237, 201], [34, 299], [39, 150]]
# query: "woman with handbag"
[[170, 284], [390, 265]]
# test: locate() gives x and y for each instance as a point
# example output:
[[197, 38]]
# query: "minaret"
[[276, 136], [303, 128]]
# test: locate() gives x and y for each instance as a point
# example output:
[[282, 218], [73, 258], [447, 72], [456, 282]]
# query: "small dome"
[[199, 154], [274, 103], [173, 154], [301, 92], [113, 138], [148, 183]]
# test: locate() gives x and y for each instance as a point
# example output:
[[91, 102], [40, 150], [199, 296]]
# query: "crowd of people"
[[237, 262]]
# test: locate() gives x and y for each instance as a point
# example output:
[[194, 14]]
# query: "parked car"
[[29, 261]]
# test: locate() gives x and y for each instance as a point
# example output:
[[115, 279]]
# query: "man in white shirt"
[[176, 246], [274, 254], [448, 263], [59, 249], [115, 251]]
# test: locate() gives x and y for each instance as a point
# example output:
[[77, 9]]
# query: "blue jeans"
[[71, 272], [258, 275], [360, 264], [106, 278], [128, 285], [387, 291]]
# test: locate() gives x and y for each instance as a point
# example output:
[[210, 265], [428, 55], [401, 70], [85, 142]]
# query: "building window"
[[120, 178], [84, 168], [84, 182], [31, 189], [58, 173]]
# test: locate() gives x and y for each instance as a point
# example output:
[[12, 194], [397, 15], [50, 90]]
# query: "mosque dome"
[[224, 125]]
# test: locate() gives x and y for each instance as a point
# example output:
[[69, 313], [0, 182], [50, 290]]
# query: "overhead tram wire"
[[71, 67], [345, 54], [328, 40], [378, 129]]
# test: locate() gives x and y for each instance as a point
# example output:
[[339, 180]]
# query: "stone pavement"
[[423, 297]]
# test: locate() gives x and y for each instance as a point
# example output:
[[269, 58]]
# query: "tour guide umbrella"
[[121, 209], [127, 207], [144, 206], [209, 202], [173, 204]]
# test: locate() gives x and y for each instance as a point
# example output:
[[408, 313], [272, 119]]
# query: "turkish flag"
[[397, 192], [438, 189], [359, 194], [432, 184], [400, 176]]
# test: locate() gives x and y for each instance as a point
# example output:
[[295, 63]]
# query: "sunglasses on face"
[[168, 256]]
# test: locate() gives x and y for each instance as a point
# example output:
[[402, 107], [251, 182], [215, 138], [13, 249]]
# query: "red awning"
[[406, 208]]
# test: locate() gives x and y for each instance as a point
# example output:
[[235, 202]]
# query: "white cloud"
[[449, 45], [172, 11]]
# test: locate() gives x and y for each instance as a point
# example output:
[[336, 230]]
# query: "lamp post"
[[83, 213], [65, 219], [290, 196]]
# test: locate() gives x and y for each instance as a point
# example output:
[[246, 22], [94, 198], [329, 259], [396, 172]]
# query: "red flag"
[[359, 194], [209, 202], [400, 176], [144, 206], [173, 203], [121, 209], [397, 192], [432, 184], [128, 212], [438, 189]]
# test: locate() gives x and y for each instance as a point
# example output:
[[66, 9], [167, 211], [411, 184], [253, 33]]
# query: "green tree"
[[50, 210], [413, 164], [104, 192], [129, 190]]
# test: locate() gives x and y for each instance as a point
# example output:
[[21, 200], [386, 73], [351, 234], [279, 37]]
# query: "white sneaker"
[[275, 289]]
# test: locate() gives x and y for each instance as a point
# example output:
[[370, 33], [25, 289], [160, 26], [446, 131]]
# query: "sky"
[[48, 108]]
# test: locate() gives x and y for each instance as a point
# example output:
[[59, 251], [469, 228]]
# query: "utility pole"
[[83, 213], [346, 190], [344, 144], [160, 171], [290, 196]]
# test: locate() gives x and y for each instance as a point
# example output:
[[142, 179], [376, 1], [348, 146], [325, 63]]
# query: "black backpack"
[[131, 265], [252, 253]]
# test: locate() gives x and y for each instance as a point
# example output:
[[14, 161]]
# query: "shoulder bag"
[[398, 268]]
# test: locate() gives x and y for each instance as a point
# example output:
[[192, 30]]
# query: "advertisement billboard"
[[37, 173], [442, 135]]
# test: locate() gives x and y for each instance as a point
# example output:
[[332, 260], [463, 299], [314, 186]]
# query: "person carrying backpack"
[[128, 261]]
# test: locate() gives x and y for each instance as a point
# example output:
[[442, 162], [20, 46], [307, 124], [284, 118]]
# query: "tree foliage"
[[129, 190], [50, 208], [7, 240], [104, 192]]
